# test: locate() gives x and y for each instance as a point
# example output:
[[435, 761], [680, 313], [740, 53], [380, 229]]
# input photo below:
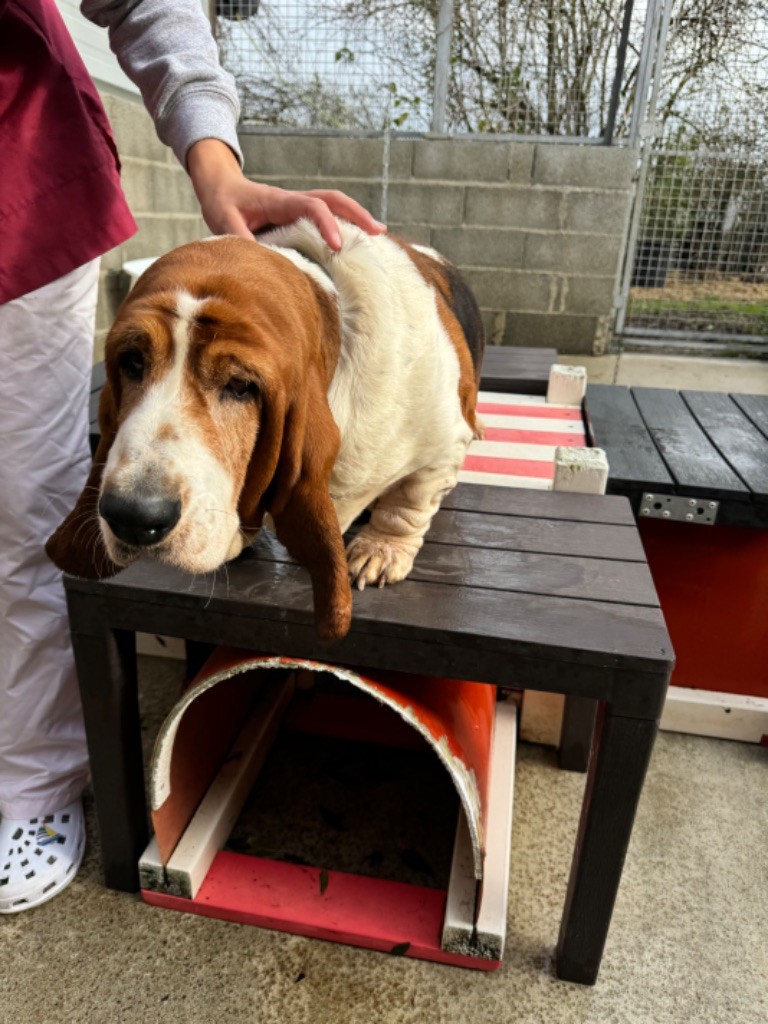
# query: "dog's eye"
[[132, 364], [240, 389]]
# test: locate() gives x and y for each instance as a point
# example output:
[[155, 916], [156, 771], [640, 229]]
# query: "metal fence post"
[[442, 65], [643, 131], [621, 57]]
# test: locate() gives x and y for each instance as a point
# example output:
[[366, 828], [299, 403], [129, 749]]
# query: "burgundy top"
[[61, 203]]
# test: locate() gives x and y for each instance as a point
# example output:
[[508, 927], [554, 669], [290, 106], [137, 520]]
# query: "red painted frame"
[[373, 913], [713, 586]]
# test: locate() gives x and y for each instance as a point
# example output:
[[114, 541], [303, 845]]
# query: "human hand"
[[231, 204]]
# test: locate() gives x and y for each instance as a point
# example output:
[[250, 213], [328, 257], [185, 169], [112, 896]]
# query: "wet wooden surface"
[[707, 445], [515, 584], [517, 371]]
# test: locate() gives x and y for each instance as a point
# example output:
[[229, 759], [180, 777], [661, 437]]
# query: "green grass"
[[718, 312]]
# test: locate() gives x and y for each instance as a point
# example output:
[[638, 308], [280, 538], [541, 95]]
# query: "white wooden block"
[[581, 471], [567, 384], [541, 717], [460, 905], [476, 912], [218, 811], [727, 716], [491, 924]]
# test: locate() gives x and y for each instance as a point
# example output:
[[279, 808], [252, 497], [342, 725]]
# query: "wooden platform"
[[521, 589], [710, 450], [520, 371], [700, 444]]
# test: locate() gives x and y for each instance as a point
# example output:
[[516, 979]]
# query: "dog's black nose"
[[139, 522]]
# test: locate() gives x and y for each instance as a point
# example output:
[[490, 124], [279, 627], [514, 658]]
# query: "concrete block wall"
[[161, 199], [535, 227]]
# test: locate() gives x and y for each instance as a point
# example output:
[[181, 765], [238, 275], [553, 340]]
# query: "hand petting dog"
[[233, 205]]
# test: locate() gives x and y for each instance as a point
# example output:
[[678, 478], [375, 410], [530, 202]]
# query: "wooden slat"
[[494, 888], [514, 501], [598, 579], [214, 819], [461, 898], [734, 436], [755, 407], [695, 463], [517, 370], [548, 536], [726, 716], [555, 628], [615, 425]]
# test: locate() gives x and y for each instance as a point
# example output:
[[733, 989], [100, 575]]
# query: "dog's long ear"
[[288, 477], [77, 547]]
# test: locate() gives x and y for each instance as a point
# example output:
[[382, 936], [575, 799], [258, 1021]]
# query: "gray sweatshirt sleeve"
[[167, 50]]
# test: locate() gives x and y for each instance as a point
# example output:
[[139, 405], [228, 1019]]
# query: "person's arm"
[[167, 50]]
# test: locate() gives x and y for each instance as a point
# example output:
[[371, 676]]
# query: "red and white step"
[[521, 435]]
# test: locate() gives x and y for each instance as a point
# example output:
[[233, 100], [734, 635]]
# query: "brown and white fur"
[[361, 391]]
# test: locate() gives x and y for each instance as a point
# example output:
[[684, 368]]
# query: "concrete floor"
[[687, 943], [749, 376]]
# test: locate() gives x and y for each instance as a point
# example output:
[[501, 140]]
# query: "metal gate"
[[697, 253]]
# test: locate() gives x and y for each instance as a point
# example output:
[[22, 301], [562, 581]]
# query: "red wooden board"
[[713, 587], [547, 437], [544, 412], [372, 913], [510, 467]]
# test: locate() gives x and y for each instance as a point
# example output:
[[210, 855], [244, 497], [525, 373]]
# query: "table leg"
[[197, 655], [106, 670], [616, 773], [577, 731]]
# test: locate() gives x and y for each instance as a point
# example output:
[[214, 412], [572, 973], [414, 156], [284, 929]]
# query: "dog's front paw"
[[375, 559]]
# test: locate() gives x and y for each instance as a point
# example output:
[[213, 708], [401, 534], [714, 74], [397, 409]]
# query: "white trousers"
[[46, 351]]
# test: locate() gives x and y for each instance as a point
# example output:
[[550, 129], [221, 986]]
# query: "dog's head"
[[214, 412]]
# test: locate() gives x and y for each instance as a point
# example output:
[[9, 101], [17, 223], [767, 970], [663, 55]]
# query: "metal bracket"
[[679, 508]]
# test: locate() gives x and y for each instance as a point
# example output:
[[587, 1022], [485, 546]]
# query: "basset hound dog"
[[281, 378]]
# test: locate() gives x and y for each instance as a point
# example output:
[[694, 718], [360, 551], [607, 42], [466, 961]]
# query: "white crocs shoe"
[[39, 857]]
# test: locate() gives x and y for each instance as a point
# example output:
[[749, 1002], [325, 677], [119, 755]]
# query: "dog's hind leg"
[[384, 549]]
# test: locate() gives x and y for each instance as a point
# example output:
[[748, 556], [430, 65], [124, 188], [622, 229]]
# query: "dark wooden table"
[[701, 457], [698, 444], [518, 371], [525, 589]]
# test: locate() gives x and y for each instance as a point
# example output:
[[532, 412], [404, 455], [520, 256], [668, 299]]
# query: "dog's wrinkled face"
[[190, 399], [215, 412]]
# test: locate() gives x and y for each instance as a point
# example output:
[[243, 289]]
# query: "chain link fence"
[[545, 68], [700, 269], [683, 80]]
